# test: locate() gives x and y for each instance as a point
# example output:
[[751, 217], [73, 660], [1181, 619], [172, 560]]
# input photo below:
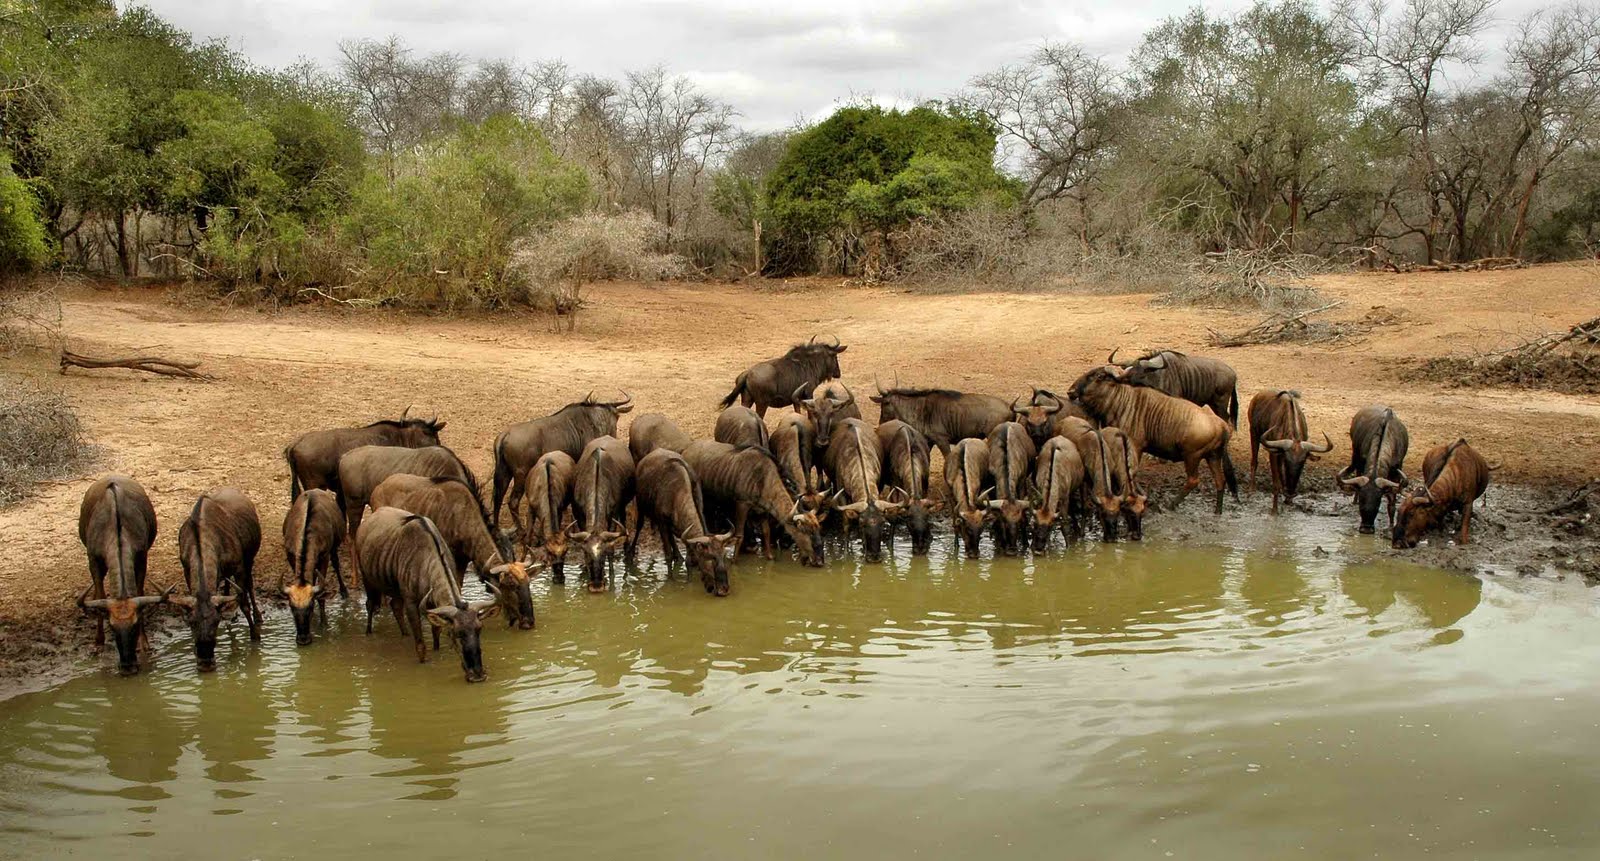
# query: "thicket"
[[1369, 133]]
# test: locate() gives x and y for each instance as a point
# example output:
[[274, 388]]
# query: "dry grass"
[[40, 438]]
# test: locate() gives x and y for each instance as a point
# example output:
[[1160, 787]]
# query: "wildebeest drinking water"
[[313, 529], [314, 458], [1378, 444], [568, 429], [905, 466], [1057, 476], [459, 516], [549, 492], [773, 382], [945, 417], [966, 471], [670, 497], [403, 559], [1278, 422], [1453, 477], [854, 464], [362, 470], [117, 526], [217, 545], [602, 487], [1011, 455], [738, 425], [739, 482]]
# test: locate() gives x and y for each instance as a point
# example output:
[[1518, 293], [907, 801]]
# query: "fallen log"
[[149, 364]]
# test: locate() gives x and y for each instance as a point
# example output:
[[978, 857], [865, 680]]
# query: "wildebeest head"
[[1418, 513], [126, 616], [1148, 370], [709, 555], [414, 432], [1293, 454], [598, 548], [1011, 515], [303, 598], [829, 354], [1369, 494], [1043, 522], [464, 622], [514, 582], [1038, 417], [554, 550], [872, 516], [807, 535], [820, 410], [918, 517], [970, 523]]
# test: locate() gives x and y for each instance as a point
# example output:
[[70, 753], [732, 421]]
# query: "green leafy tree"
[[24, 243], [852, 179]]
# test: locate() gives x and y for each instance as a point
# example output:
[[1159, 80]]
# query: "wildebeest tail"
[[738, 388], [1227, 468], [294, 474], [1233, 408]]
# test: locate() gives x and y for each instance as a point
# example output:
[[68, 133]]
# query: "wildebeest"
[[1278, 422], [651, 431], [568, 429], [1011, 456], [772, 383], [943, 416], [1102, 471], [1038, 416], [1453, 476], [966, 470], [1198, 379], [1124, 471], [457, 513], [905, 466], [313, 529], [548, 487], [670, 497], [361, 470], [854, 464], [1378, 443], [117, 525], [1057, 476], [826, 404], [1161, 425], [217, 545], [794, 446], [602, 487], [742, 481], [314, 458], [738, 425], [403, 558]]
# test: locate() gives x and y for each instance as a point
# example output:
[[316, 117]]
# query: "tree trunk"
[[122, 245]]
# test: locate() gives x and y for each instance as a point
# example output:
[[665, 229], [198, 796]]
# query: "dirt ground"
[[677, 347]]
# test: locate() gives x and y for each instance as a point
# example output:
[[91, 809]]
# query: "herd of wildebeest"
[[1019, 471]]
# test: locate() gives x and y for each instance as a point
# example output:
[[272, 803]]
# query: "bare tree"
[[671, 134], [401, 100]]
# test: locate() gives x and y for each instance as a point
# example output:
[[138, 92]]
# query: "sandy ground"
[[677, 347]]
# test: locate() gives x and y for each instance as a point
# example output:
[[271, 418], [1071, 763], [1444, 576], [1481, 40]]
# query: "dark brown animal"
[[1161, 425], [403, 558], [738, 425], [826, 404], [670, 497], [651, 431], [1278, 422], [772, 383], [906, 456], [548, 487], [1102, 476], [217, 545], [568, 429], [313, 529], [1038, 416], [943, 416], [1454, 476], [738, 482], [458, 515], [1011, 456], [1378, 444], [117, 526], [966, 472], [1197, 379], [602, 487], [314, 458], [794, 446], [1124, 470], [1057, 476], [854, 463], [361, 470]]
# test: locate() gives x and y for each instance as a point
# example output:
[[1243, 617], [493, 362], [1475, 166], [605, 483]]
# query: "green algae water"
[[1125, 701]]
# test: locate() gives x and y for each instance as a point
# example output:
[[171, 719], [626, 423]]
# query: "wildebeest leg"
[[344, 593], [353, 517], [1390, 497], [1466, 525], [398, 608], [514, 501], [638, 527], [374, 601], [1218, 479], [1275, 464], [766, 538], [97, 574], [741, 513], [414, 619], [761, 411], [1254, 452]]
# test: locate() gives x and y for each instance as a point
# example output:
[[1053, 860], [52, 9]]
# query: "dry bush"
[[1558, 361], [557, 263], [1265, 278], [30, 315], [40, 438]]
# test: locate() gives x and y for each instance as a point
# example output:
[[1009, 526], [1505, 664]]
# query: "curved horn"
[[794, 396], [847, 401], [1327, 445], [1386, 484], [835, 343], [877, 385], [1358, 481], [1278, 444], [812, 341], [1112, 359], [405, 413], [1014, 406]]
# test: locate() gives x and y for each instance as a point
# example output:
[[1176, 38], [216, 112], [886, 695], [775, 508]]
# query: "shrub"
[[40, 438], [24, 243], [556, 264]]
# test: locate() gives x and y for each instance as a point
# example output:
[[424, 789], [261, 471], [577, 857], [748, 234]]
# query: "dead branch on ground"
[[148, 364], [1289, 327]]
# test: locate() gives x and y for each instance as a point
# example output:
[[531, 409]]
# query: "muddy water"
[[1114, 702]]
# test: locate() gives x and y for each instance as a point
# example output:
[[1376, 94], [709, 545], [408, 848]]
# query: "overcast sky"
[[775, 62]]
